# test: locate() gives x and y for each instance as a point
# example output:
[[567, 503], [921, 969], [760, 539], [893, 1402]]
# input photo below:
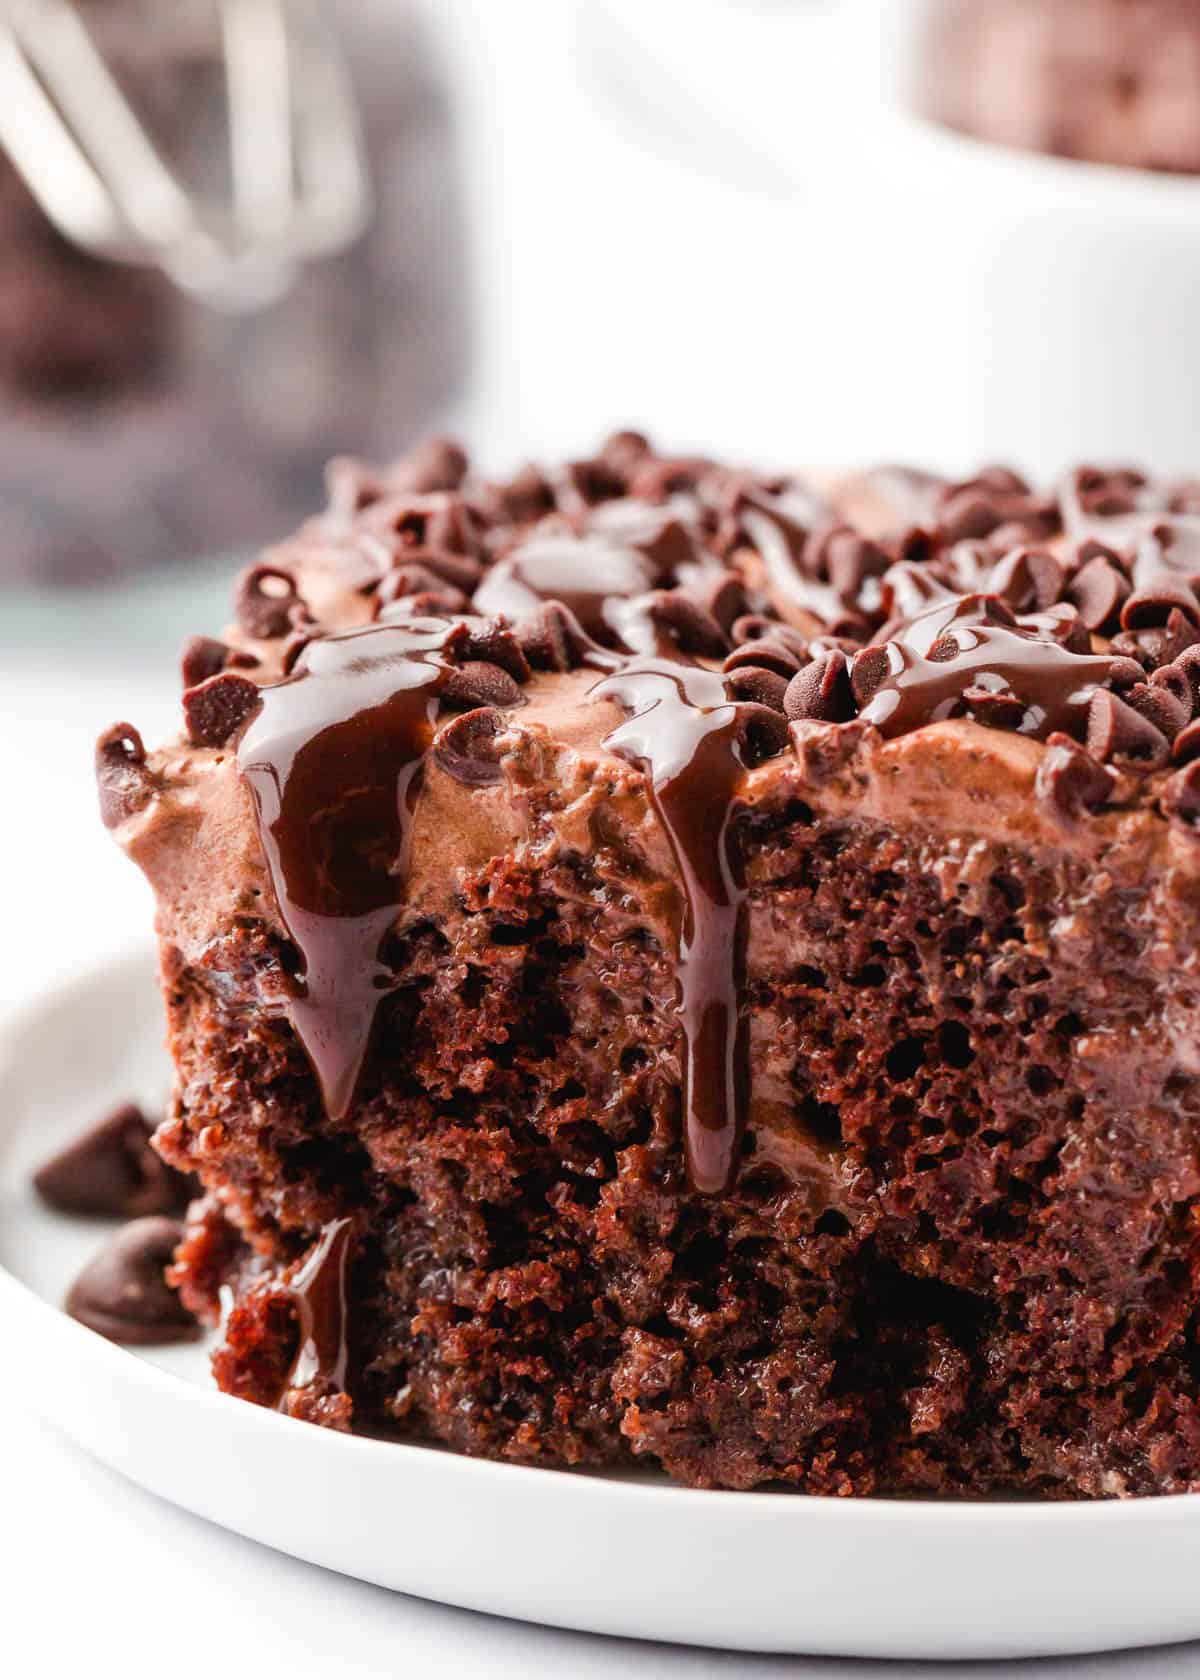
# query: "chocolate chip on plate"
[[111, 1172], [123, 1292]]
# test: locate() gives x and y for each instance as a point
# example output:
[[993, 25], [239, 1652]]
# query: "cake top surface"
[[440, 667]]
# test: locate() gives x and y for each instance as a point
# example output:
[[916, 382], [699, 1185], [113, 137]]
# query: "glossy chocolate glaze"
[[684, 731], [333, 760], [971, 641]]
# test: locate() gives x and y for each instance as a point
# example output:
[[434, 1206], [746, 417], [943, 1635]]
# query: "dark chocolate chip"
[[722, 597], [1151, 607], [767, 654], [1070, 781], [1182, 678], [692, 630], [995, 709], [437, 464], [822, 691], [1099, 590], [1028, 579], [202, 657], [547, 637], [111, 1172], [123, 1293], [759, 684], [1161, 646], [871, 667], [762, 731], [461, 571], [492, 640], [263, 602], [465, 747], [1118, 735], [1160, 707], [477, 682], [849, 560], [124, 782], [214, 710]]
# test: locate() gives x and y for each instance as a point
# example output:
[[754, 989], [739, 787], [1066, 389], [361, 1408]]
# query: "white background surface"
[[95, 1576]]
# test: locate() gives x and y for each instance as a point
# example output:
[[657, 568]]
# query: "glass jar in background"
[[1105, 81], [138, 425]]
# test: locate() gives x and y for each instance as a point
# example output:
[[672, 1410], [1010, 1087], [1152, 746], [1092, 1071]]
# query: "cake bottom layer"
[[960, 1257]]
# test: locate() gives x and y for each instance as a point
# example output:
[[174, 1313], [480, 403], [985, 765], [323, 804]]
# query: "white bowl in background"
[[738, 233]]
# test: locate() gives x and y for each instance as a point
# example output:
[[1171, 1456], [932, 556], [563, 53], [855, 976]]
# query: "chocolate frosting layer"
[[442, 669]]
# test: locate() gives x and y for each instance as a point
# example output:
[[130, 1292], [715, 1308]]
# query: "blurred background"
[[240, 236]]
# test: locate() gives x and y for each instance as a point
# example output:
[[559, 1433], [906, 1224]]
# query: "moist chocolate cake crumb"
[[682, 965]]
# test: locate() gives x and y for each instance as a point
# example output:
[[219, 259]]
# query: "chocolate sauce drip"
[[333, 761], [629, 548], [319, 1291], [972, 642], [684, 731]]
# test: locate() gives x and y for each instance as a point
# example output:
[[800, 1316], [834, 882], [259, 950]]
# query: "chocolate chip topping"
[[123, 780], [264, 602], [215, 710], [465, 747], [123, 1293], [111, 1172], [1070, 782]]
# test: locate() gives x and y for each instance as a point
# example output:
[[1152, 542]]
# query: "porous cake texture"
[[678, 964]]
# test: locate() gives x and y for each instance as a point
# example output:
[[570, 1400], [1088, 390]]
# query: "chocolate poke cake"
[[674, 964]]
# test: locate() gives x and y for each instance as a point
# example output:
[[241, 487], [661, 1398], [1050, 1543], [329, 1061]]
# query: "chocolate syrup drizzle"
[[683, 730], [971, 642], [319, 1293], [333, 760]]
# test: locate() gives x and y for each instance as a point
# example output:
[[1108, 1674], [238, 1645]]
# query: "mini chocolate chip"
[[1186, 745], [693, 630], [1158, 647], [410, 581], [822, 691], [1159, 707], [722, 596], [492, 640], [123, 1293], [1118, 735], [465, 747], [1181, 798], [263, 602], [544, 637], [757, 683], [750, 627], [1028, 579], [437, 464], [1151, 607], [995, 709], [1182, 677], [767, 654], [1099, 591], [124, 783], [111, 1172], [870, 669], [1070, 781], [215, 709], [849, 560], [762, 731], [477, 682], [204, 657]]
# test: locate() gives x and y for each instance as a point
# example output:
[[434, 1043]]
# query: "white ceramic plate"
[[619, 1555]]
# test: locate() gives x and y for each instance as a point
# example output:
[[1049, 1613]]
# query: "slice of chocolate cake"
[[665, 963]]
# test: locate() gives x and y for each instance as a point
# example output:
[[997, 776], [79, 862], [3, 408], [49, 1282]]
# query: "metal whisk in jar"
[[229, 248]]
